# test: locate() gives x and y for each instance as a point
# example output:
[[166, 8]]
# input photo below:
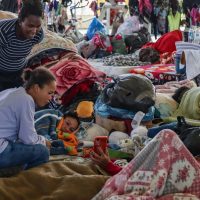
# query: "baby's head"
[[71, 122]]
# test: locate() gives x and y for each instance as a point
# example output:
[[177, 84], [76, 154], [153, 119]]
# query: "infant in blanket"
[[59, 129]]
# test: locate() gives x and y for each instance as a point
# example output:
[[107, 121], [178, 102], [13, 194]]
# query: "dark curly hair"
[[40, 76], [30, 7]]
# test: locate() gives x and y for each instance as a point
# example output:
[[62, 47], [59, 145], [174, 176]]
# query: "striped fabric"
[[13, 51], [182, 46]]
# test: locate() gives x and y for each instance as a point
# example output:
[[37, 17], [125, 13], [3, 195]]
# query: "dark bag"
[[190, 135], [132, 92]]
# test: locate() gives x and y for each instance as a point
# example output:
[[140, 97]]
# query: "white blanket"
[[192, 58]]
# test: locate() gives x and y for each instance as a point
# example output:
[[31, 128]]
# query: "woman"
[[19, 142], [17, 37], [61, 21]]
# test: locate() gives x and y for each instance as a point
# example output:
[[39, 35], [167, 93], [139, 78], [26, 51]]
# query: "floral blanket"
[[71, 69], [163, 170], [156, 73]]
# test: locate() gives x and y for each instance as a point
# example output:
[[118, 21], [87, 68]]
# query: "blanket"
[[166, 43], [163, 170], [71, 69], [192, 63], [7, 15], [52, 40], [189, 106], [58, 180], [170, 87]]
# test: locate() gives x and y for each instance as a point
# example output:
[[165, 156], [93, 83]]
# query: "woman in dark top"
[[17, 37]]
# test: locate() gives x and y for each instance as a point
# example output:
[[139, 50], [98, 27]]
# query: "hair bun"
[[27, 74]]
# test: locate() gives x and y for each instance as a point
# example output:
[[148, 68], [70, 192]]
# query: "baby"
[[59, 129]]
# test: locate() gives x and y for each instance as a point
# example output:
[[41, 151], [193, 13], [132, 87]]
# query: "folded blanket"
[[192, 63], [172, 86]]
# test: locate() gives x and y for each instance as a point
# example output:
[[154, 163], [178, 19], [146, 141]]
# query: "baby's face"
[[69, 125]]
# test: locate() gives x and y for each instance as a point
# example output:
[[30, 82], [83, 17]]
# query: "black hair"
[[40, 76], [149, 55], [30, 7], [126, 7], [72, 115], [179, 93]]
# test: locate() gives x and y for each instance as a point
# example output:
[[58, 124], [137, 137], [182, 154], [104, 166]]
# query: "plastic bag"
[[136, 122], [95, 26], [129, 26]]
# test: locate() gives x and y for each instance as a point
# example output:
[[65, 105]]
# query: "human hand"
[[102, 159], [48, 144]]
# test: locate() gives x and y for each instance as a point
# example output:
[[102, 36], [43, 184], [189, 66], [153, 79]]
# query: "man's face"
[[30, 26]]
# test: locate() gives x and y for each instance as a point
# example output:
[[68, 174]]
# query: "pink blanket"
[[72, 68], [163, 170]]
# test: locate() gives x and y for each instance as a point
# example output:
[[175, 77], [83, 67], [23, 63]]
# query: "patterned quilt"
[[163, 170]]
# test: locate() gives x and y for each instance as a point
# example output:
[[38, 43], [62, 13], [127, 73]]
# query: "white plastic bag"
[[130, 25], [136, 124]]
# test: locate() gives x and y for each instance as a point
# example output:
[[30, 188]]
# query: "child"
[[53, 126]]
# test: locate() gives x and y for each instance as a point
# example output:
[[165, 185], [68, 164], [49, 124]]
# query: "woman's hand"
[[48, 144], [102, 159]]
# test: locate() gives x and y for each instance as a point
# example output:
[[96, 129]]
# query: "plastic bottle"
[[197, 36], [191, 35]]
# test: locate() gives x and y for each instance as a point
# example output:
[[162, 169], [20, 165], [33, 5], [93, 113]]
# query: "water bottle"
[[197, 36], [191, 35]]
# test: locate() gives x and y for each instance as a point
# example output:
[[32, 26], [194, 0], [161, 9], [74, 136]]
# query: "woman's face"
[[42, 96], [30, 26]]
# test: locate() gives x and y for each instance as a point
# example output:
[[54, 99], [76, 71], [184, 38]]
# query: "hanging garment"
[[174, 21], [9, 5], [194, 13]]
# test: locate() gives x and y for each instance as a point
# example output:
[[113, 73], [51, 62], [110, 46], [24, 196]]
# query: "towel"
[[192, 63]]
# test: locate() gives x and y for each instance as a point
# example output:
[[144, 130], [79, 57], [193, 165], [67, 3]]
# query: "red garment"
[[166, 43], [112, 169], [145, 4]]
